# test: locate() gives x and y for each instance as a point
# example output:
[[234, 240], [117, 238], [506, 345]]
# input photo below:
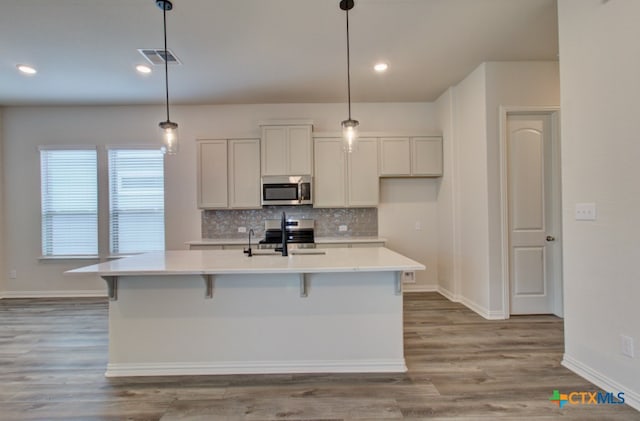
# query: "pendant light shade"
[[349, 126], [168, 128], [349, 135], [169, 134]]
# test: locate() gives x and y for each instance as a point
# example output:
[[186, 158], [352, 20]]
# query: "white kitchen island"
[[221, 312]]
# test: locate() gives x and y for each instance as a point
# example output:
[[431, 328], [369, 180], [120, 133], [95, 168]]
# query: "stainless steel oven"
[[299, 232], [286, 190]]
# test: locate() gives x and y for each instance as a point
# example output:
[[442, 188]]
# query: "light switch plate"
[[586, 212], [343, 228], [627, 346]]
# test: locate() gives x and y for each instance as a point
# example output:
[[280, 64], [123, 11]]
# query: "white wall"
[[600, 155], [25, 128], [3, 269], [447, 273], [403, 203], [469, 202], [527, 84], [470, 122]]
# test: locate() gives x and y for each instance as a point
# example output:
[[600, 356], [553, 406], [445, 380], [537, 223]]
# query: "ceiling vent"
[[157, 57]]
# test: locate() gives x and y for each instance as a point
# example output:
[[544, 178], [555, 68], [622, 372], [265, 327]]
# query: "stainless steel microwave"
[[286, 190]]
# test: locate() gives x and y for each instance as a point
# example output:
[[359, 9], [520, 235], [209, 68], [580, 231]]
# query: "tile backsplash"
[[360, 222]]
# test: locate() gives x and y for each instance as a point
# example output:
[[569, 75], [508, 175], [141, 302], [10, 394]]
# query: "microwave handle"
[[300, 191]]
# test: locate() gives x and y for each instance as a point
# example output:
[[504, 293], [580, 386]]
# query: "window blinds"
[[136, 200], [69, 194]]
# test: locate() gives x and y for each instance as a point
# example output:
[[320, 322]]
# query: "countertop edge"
[[203, 263], [318, 240]]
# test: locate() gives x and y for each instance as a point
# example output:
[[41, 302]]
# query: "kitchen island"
[[221, 312]]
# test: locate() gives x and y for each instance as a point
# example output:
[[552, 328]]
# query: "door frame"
[[504, 112]]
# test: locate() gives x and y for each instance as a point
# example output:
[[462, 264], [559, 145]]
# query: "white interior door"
[[534, 214]]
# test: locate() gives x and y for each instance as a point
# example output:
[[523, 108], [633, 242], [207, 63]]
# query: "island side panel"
[[349, 322]]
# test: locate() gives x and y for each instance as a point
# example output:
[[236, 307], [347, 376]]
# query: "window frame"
[[109, 231], [79, 256]]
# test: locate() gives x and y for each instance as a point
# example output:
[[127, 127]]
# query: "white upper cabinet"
[[426, 156], [287, 150], [212, 174], [395, 156], [329, 182], [411, 156], [229, 174], [362, 177], [244, 173], [342, 179]]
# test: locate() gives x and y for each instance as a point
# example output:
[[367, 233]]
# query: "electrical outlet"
[[627, 346], [586, 212], [13, 274], [408, 277], [343, 228], [418, 226], [242, 229]]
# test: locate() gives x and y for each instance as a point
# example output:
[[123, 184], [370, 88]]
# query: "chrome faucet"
[[248, 251], [283, 228]]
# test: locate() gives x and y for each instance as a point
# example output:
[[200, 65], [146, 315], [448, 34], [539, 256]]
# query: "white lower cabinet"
[[345, 180], [229, 174]]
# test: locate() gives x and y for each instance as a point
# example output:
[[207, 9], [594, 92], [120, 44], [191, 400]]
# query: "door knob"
[[551, 238]]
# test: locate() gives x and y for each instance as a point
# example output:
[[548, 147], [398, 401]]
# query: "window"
[[69, 194], [136, 200]]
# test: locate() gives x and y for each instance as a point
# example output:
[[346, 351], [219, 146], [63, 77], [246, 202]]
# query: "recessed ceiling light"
[[144, 69], [26, 69], [381, 67]]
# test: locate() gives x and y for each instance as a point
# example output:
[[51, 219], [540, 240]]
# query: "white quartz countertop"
[[211, 262], [318, 240], [349, 240]]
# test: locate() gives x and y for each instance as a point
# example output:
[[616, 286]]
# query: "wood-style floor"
[[53, 355]]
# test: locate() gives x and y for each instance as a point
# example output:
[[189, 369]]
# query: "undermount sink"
[[308, 251], [297, 252], [265, 253]]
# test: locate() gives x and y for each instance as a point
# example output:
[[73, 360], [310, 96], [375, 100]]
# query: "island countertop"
[[212, 262]]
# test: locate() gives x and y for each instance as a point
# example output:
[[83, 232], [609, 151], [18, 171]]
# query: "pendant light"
[[168, 128], [349, 126]]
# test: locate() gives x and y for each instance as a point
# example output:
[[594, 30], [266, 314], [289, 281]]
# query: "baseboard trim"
[[607, 384], [448, 294], [255, 367], [54, 294], [484, 312], [471, 305], [419, 288]]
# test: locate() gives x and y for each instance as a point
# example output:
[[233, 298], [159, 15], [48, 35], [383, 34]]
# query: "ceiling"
[[261, 51]]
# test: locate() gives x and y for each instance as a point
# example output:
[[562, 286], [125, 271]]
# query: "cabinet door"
[[300, 150], [274, 150], [362, 179], [212, 174], [395, 156], [330, 174], [244, 173], [426, 156]]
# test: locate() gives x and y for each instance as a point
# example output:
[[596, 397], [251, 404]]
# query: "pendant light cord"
[[348, 66], [166, 64]]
